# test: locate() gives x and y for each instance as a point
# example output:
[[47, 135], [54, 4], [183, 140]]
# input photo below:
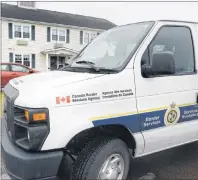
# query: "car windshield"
[[111, 48]]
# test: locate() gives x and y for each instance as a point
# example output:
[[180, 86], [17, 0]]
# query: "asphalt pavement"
[[177, 163]]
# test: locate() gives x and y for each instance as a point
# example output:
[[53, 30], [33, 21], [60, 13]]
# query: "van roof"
[[173, 20], [168, 20]]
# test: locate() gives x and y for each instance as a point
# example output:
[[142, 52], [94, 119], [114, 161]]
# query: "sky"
[[126, 12]]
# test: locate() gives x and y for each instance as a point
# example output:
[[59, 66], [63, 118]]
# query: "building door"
[[61, 62], [53, 62], [56, 62]]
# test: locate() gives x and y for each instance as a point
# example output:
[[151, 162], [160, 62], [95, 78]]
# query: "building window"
[[54, 34], [18, 58], [26, 32], [86, 38], [21, 31], [26, 60], [23, 59], [61, 35], [92, 37], [58, 35], [17, 31]]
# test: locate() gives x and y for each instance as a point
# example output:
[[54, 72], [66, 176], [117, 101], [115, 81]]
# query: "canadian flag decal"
[[63, 100]]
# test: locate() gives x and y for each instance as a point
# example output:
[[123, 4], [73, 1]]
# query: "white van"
[[132, 91]]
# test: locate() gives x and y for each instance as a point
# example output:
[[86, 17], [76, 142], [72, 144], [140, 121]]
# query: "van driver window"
[[177, 40]]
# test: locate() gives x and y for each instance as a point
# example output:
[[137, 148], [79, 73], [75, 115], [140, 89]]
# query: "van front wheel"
[[102, 158]]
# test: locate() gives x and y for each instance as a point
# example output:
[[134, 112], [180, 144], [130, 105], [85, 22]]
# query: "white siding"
[[40, 44]]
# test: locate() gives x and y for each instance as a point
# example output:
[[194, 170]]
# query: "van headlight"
[[31, 127]]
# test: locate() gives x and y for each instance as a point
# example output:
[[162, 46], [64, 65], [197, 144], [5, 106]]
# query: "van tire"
[[93, 155]]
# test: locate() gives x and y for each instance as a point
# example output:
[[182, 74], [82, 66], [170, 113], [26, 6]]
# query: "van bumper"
[[25, 165]]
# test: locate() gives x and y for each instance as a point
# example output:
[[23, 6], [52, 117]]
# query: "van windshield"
[[111, 48]]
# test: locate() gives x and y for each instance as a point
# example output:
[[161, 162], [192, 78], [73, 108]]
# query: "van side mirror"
[[163, 63]]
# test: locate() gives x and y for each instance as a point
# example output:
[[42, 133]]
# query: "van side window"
[[177, 40]]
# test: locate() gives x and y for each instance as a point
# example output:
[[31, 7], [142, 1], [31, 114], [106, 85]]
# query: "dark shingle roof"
[[41, 15]]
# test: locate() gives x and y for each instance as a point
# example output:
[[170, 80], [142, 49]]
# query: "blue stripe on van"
[[141, 122]]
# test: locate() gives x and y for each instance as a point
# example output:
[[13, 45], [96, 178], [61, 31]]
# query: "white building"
[[44, 39]]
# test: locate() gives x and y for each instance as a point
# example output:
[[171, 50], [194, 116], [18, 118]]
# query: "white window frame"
[[22, 25], [90, 33], [58, 33], [22, 59]]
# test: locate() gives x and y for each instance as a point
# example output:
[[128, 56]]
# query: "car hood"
[[51, 79]]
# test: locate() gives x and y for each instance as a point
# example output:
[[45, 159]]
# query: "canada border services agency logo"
[[172, 115]]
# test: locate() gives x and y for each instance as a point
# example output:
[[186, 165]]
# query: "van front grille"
[[10, 95]]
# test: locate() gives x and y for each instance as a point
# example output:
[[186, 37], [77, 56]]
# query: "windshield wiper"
[[68, 67], [91, 64]]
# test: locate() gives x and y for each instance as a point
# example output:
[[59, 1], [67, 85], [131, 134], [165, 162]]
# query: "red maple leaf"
[[63, 99]]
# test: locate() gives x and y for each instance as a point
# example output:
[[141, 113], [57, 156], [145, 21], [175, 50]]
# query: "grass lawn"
[[1, 106]]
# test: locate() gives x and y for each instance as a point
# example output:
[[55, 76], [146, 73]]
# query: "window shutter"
[[68, 36], [33, 61], [11, 57], [33, 33], [10, 31], [48, 34], [81, 37]]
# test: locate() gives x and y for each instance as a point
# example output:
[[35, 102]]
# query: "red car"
[[13, 70]]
